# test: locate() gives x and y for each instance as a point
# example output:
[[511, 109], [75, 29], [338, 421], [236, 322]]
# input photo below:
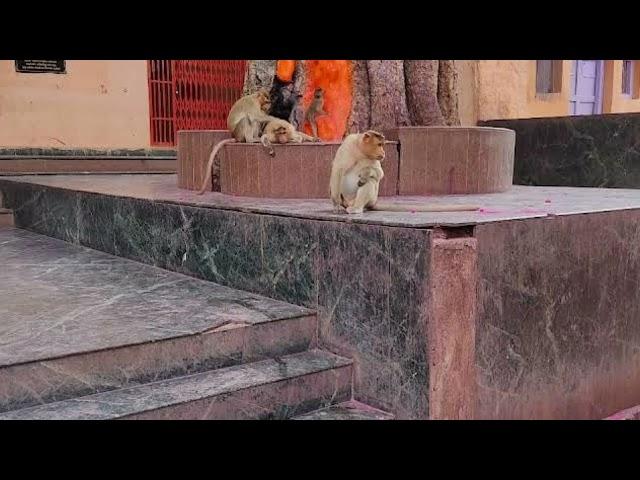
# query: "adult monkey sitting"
[[244, 122], [356, 172]]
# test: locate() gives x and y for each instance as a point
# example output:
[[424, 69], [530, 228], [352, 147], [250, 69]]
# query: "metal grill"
[[205, 92], [192, 95], [161, 95]]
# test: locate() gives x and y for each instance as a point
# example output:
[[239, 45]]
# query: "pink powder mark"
[[632, 413], [413, 211], [547, 201]]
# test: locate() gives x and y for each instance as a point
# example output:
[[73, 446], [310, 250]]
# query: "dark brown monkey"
[[297, 112]]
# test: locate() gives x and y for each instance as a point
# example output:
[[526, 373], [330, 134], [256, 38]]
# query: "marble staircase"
[[88, 335]]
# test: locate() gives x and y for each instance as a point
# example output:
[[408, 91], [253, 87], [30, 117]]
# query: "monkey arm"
[[264, 139], [367, 196], [306, 138]]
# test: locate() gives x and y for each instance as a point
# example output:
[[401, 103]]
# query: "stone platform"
[[527, 308]]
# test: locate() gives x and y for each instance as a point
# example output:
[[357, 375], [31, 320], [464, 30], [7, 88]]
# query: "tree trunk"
[[360, 118], [259, 74], [422, 92], [448, 91], [385, 93], [388, 97]]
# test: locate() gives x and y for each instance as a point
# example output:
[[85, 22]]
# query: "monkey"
[[356, 173], [360, 190], [357, 150], [296, 118], [244, 122], [266, 107], [282, 97], [281, 131], [315, 109]]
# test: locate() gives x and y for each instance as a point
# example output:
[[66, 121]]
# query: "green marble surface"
[[580, 151]]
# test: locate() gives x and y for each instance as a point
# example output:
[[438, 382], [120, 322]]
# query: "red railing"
[[191, 95], [161, 100]]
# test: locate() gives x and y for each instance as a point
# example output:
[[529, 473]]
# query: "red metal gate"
[[161, 93], [191, 95]]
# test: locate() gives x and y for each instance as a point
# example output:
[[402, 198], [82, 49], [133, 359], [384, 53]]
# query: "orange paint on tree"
[[334, 77], [285, 69]]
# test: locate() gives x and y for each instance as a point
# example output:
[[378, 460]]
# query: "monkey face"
[[281, 135], [266, 106], [318, 93], [373, 145], [263, 97]]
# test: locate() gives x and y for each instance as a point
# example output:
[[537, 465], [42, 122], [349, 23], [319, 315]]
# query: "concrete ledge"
[[194, 148], [63, 164], [454, 160], [296, 171]]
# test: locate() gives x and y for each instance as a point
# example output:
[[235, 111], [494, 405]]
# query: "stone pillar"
[[451, 328]]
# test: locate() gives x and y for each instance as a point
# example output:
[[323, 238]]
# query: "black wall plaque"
[[41, 66]]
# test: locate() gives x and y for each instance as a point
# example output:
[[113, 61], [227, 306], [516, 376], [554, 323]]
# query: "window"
[[627, 77], [548, 76]]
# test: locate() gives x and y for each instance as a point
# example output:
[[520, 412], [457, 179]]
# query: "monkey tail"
[[425, 208], [209, 171]]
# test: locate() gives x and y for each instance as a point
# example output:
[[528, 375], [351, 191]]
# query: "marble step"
[[6, 217], [350, 410], [269, 389], [74, 321]]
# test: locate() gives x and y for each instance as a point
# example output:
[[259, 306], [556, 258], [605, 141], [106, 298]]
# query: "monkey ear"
[[366, 137]]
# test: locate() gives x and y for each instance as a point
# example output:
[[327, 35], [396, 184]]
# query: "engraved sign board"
[[41, 66]]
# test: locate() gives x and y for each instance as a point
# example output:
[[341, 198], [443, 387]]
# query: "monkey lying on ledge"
[[356, 173], [281, 131]]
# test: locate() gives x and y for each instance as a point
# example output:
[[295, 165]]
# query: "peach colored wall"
[[614, 100], [96, 104], [507, 89]]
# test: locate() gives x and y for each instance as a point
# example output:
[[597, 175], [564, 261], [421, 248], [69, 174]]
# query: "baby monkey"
[[367, 192], [315, 110]]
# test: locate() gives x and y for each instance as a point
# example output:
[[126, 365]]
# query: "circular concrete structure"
[[419, 161], [297, 170], [454, 160]]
